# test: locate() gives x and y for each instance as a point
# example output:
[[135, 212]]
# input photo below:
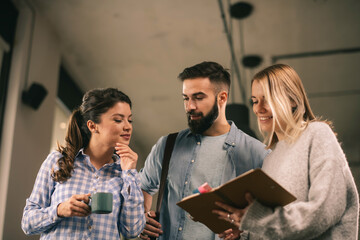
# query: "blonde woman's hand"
[[231, 214], [75, 206], [128, 158]]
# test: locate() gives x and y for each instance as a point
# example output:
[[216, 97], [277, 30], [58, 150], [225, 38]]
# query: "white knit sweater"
[[315, 170]]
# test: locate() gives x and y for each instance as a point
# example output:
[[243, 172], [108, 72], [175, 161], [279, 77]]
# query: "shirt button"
[[180, 228], [192, 160], [89, 227], [96, 176], [198, 143], [186, 182], [233, 144]]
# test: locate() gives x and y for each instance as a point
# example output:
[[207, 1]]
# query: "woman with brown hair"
[[58, 206], [307, 160]]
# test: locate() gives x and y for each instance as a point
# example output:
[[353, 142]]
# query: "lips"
[[195, 117], [192, 115], [265, 118], [125, 136]]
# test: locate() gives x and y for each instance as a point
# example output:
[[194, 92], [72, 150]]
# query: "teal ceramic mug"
[[101, 202]]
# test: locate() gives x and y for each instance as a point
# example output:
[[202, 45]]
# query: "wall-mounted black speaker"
[[251, 61], [34, 96], [241, 10]]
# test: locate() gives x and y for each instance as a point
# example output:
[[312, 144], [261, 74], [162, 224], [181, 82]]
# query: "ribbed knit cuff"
[[244, 235], [255, 212]]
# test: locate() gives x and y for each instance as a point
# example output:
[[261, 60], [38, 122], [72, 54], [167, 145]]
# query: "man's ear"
[[92, 126], [222, 98]]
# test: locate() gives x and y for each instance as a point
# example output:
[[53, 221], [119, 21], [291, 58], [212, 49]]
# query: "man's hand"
[[230, 234], [75, 206], [152, 227]]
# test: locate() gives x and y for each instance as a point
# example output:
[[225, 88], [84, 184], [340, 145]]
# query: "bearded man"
[[211, 150]]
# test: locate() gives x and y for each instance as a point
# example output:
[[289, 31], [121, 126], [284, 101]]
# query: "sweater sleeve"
[[327, 196], [39, 215]]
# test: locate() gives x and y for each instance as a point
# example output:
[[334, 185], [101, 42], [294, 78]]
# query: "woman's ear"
[[92, 126]]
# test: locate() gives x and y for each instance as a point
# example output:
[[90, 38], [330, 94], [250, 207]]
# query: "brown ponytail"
[[74, 141]]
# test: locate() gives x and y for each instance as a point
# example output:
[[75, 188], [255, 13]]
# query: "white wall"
[[27, 133]]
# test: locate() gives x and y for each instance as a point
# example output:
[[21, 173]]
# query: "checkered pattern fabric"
[[127, 217]]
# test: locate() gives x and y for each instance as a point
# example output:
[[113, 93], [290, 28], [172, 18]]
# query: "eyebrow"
[[256, 97], [121, 115], [195, 94]]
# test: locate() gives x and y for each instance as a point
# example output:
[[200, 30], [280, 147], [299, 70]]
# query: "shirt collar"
[[231, 137], [82, 155]]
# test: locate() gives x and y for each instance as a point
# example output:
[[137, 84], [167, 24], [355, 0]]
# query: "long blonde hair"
[[287, 99]]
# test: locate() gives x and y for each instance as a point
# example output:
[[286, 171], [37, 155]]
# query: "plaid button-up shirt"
[[40, 213]]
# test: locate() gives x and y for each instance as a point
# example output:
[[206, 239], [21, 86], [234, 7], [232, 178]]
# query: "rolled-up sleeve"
[[150, 174], [132, 219]]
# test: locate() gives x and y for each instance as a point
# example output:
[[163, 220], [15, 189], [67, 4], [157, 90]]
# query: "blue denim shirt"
[[243, 153]]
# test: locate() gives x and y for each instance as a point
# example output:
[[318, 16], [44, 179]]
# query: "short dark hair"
[[216, 73]]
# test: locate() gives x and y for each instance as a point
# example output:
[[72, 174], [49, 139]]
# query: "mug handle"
[[90, 199]]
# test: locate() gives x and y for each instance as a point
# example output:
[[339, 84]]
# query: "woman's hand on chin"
[[128, 158]]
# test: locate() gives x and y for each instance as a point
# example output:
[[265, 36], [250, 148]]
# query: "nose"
[[259, 107], [190, 105], [127, 126]]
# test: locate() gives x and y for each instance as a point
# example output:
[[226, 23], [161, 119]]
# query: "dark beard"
[[205, 122]]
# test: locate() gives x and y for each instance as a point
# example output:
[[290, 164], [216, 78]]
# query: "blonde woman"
[[306, 159]]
